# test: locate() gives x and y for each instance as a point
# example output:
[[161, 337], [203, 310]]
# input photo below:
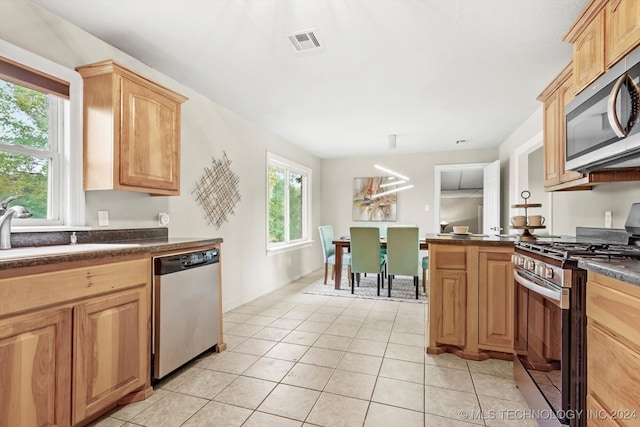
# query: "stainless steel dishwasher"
[[185, 308]]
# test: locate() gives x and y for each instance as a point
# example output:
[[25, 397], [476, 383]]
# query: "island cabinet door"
[[496, 302], [111, 355], [449, 295], [35, 369]]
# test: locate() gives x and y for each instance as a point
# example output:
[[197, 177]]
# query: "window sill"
[[289, 247]]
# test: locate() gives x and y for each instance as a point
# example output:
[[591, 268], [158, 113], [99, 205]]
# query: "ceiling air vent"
[[304, 40]]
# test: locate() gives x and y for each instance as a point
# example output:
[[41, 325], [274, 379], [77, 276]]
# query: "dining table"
[[345, 244]]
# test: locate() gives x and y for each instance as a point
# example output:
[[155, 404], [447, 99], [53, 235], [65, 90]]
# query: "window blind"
[[28, 77]]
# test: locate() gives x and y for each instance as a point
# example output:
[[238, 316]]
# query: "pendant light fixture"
[[402, 179], [395, 190], [389, 184], [390, 172]]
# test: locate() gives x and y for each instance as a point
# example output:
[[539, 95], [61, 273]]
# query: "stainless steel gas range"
[[550, 323]]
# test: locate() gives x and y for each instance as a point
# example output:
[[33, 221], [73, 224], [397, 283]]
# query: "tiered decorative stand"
[[526, 234]]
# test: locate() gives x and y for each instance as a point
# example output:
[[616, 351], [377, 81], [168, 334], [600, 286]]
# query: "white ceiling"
[[465, 183], [465, 179], [430, 71]]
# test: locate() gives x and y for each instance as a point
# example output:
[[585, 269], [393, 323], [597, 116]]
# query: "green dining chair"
[[329, 252], [403, 255], [365, 255]]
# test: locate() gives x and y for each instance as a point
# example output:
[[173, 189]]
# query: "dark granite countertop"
[[624, 270], [126, 242], [472, 239]]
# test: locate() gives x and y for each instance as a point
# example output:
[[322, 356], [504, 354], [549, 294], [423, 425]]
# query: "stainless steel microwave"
[[602, 122]]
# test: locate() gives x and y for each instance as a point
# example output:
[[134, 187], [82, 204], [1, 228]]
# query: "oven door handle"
[[546, 292]]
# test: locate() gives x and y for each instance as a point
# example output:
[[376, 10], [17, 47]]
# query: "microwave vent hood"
[[626, 160], [602, 123]]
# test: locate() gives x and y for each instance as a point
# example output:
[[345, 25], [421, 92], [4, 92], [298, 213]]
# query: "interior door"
[[491, 196]]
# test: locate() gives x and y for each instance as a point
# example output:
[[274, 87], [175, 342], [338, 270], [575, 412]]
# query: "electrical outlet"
[[103, 218], [607, 219], [163, 219]]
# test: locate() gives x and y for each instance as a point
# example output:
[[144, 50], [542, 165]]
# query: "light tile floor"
[[301, 360]]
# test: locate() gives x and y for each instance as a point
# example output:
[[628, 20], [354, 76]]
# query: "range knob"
[[517, 260], [529, 265], [548, 273]]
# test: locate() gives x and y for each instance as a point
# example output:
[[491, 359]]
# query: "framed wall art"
[[369, 202]]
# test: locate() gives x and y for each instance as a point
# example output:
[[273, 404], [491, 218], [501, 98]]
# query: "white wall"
[[208, 129], [337, 183], [587, 208], [462, 211], [536, 187], [568, 209]]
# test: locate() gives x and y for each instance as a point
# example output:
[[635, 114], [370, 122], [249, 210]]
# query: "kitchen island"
[[471, 296]]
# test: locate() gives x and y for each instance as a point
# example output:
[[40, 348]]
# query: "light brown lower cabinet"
[[594, 408], [471, 300], [451, 294], [613, 352], [111, 357], [35, 369], [73, 340], [496, 301]]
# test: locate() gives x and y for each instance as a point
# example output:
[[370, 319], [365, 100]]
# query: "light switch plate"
[[607, 219], [103, 218]]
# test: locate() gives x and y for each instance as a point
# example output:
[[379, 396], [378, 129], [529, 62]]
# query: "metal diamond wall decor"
[[217, 191]]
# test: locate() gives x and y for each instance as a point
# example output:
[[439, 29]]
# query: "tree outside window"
[[288, 202], [25, 148], [41, 138]]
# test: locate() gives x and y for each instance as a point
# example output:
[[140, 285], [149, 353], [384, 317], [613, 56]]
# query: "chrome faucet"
[[6, 214], [5, 203]]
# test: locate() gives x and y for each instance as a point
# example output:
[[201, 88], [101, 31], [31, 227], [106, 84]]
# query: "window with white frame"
[[288, 202], [38, 159]]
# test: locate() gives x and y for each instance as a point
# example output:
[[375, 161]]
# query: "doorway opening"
[[467, 194]]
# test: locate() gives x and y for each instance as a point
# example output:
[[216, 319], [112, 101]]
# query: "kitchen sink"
[[39, 251]]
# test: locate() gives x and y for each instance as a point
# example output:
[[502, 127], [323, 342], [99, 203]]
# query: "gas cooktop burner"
[[565, 250]]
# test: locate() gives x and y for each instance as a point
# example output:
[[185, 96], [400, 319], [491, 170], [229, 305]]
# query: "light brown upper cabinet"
[[602, 35], [555, 97], [131, 131], [622, 29], [588, 52]]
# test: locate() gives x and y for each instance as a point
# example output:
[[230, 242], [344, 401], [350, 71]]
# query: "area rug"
[[402, 289]]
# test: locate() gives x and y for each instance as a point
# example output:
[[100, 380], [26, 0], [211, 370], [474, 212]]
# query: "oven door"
[[542, 346]]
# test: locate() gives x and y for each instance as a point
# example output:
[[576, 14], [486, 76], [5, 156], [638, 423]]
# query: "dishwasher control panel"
[[197, 258], [173, 263]]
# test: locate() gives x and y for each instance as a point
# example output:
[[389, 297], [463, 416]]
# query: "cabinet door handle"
[[614, 120]]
